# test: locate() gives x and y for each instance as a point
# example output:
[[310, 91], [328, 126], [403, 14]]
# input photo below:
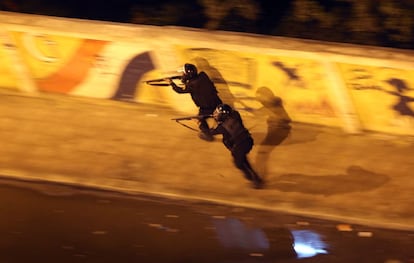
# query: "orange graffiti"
[[74, 72]]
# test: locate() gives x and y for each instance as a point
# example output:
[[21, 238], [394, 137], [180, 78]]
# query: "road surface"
[[57, 223]]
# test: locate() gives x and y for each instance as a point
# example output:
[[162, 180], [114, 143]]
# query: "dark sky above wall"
[[275, 18]]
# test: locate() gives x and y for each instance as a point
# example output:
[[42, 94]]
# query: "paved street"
[[46, 222], [317, 171]]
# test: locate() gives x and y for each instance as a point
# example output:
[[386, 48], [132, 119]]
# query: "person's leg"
[[204, 130], [203, 126], [240, 162], [239, 154], [256, 179]]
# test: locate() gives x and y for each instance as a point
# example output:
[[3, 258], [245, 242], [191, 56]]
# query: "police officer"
[[237, 139], [203, 93]]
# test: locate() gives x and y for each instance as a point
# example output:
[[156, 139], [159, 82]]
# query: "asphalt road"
[[57, 223]]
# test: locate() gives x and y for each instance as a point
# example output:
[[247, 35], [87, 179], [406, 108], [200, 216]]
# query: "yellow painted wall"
[[383, 97], [352, 87], [7, 75], [301, 83]]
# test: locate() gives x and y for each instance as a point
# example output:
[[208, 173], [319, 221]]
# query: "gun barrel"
[[163, 79], [198, 117], [161, 82]]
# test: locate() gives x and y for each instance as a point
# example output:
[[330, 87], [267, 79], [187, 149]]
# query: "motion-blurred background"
[[371, 22]]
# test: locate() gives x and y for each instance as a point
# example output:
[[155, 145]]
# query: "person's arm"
[[218, 130], [214, 131], [178, 89]]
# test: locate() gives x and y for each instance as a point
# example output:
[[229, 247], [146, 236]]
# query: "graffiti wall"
[[383, 96], [302, 85], [8, 77], [240, 76]]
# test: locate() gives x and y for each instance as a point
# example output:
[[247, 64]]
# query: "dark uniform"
[[203, 93], [237, 140]]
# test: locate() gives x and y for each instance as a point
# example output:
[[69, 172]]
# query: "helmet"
[[221, 112], [190, 71]]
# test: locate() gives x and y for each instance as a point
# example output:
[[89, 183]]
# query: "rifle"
[[162, 82], [196, 117]]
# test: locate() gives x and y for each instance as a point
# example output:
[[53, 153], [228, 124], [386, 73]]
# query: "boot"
[[204, 133], [257, 181], [206, 136]]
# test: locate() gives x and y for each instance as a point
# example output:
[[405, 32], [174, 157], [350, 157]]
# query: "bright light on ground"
[[308, 243]]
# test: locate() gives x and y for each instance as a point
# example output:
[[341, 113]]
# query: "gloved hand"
[[169, 80]]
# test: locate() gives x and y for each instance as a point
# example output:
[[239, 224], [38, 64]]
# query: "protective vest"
[[237, 132], [203, 92]]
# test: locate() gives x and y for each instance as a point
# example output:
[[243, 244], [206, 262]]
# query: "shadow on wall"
[[221, 84], [355, 179], [278, 126]]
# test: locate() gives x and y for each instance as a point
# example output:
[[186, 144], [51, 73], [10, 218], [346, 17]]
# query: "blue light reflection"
[[308, 243]]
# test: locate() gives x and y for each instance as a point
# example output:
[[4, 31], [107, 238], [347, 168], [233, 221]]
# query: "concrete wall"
[[357, 88]]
